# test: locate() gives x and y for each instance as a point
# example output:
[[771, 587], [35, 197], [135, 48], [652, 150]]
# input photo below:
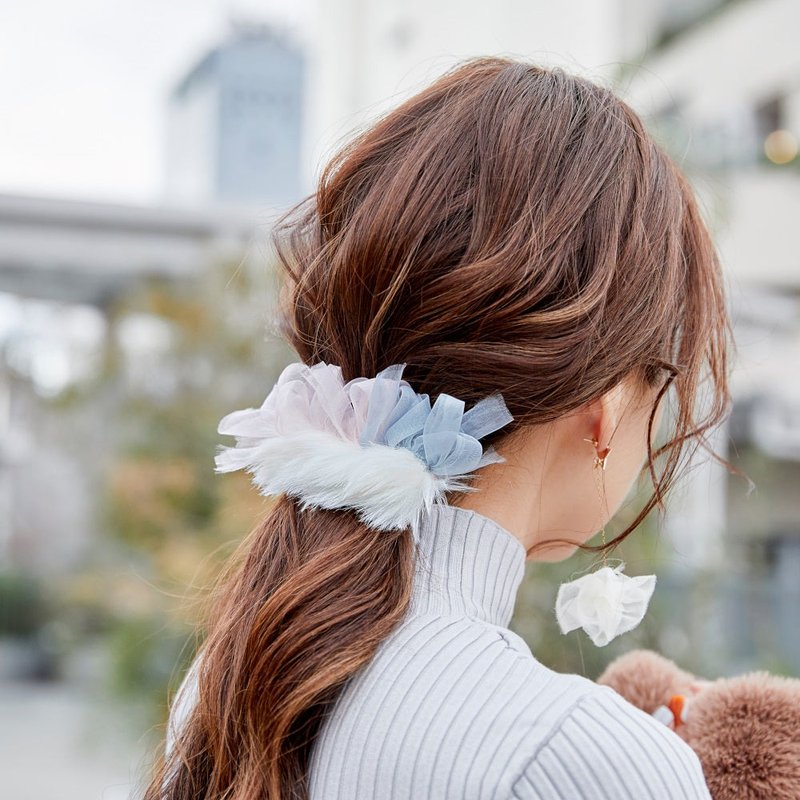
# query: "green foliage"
[[146, 655], [164, 506], [25, 605]]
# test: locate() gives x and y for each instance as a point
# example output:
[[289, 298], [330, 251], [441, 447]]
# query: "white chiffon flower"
[[604, 603]]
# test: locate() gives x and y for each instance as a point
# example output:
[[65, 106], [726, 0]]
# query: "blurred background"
[[145, 150]]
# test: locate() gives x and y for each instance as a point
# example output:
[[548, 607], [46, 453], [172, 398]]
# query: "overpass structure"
[[86, 252]]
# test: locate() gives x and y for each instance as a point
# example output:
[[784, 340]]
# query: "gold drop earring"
[[598, 468], [606, 602]]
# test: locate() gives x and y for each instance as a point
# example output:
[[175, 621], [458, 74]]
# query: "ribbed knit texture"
[[454, 706]]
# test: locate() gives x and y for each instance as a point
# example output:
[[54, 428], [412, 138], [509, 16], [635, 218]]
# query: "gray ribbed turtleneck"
[[454, 706], [467, 565]]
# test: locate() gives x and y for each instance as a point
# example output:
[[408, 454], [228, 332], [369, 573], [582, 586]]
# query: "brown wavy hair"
[[510, 228]]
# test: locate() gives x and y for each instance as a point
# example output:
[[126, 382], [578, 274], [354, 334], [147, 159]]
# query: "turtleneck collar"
[[467, 564]]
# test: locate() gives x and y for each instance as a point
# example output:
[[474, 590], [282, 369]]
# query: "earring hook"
[[600, 458]]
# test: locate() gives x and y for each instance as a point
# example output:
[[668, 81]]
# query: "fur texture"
[[745, 730], [389, 488], [645, 679]]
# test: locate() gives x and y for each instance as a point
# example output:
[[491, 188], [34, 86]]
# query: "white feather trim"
[[388, 487]]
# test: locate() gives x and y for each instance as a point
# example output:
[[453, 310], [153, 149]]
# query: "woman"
[[515, 238]]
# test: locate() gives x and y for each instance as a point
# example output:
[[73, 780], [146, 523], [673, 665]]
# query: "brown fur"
[[645, 679], [745, 730]]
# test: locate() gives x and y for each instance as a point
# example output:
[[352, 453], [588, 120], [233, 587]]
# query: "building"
[[735, 122], [369, 54], [235, 123], [723, 93]]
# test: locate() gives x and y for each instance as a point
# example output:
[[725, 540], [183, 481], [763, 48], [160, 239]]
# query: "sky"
[[84, 84]]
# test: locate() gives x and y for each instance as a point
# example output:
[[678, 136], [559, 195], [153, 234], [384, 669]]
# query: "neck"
[[468, 565]]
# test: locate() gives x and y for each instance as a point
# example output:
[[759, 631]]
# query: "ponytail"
[[313, 595]]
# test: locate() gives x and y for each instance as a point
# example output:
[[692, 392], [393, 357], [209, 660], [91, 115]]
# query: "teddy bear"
[[745, 729]]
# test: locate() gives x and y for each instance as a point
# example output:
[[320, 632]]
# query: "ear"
[[606, 413]]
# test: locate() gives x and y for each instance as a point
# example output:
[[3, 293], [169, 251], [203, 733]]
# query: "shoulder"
[[443, 710], [486, 670], [604, 747]]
